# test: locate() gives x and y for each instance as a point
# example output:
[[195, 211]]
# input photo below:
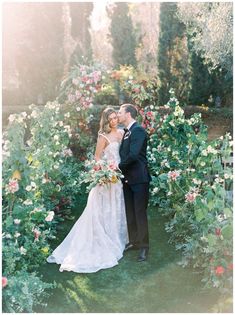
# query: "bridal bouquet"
[[100, 173]]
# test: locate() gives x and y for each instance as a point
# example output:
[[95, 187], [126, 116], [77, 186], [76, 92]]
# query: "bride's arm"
[[100, 146]]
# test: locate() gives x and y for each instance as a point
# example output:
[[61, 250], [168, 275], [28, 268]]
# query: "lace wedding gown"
[[98, 238]]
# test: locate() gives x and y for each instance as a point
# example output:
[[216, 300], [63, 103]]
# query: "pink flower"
[[218, 231], [85, 79], [37, 233], [219, 270], [149, 114], [113, 166], [190, 197], [96, 76], [136, 90], [143, 125], [96, 168], [173, 175], [12, 186], [4, 282], [67, 152], [78, 94]]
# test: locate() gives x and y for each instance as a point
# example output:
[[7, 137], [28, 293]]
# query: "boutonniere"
[[127, 135]]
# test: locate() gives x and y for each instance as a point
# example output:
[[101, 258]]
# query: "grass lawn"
[[158, 285]]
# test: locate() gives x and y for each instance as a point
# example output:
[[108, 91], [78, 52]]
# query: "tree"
[[147, 34], [80, 24], [36, 41], [122, 35], [173, 68], [211, 27]]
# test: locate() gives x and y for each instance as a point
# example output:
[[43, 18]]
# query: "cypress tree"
[[172, 71], [122, 36], [80, 13]]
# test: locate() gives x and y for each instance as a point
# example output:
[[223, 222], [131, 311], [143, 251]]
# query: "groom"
[[136, 180]]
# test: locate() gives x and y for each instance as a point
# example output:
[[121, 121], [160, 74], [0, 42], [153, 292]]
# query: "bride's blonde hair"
[[104, 121]]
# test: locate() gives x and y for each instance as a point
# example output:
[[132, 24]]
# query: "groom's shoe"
[[143, 254], [130, 246]]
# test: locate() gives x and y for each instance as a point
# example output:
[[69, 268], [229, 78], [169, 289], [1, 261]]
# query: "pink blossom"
[[113, 166], [136, 90], [85, 79], [218, 231], [78, 94], [173, 175], [89, 81], [96, 168], [37, 233], [143, 125], [4, 282], [219, 270], [12, 186], [67, 152], [190, 197], [149, 114], [96, 76]]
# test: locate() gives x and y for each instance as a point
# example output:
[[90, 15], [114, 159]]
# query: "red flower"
[[219, 270], [218, 231], [149, 114], [96, 167], [4, 282]]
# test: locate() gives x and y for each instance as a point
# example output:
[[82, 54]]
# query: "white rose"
[[17, 221], [28, 188], [23, 251], [28, 202], [56, 137], [50, 216]]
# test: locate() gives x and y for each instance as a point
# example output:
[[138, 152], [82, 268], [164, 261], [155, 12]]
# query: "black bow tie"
[[125, 130]]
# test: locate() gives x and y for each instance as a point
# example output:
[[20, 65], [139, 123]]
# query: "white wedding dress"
[[98, 238]]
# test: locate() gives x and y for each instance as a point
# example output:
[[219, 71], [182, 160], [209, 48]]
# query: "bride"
[[98, 238]]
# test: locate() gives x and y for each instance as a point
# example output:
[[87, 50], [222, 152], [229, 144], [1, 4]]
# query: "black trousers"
[[136, 201]]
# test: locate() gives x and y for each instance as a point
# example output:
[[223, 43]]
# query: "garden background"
[[63, 63]]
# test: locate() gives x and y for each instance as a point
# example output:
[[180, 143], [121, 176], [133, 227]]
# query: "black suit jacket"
[[133, 155]]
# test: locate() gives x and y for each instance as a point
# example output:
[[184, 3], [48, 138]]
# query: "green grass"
[[158, 285]]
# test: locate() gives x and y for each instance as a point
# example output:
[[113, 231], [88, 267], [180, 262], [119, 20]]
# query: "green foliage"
[[40, 184], [135, 86], [173, 68], [209, 27], [23, 292], [189, 187], [122, 36]]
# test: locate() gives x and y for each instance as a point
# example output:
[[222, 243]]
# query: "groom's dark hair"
[[129, 108]]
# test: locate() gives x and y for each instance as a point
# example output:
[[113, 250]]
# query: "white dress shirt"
[[130, 124]]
